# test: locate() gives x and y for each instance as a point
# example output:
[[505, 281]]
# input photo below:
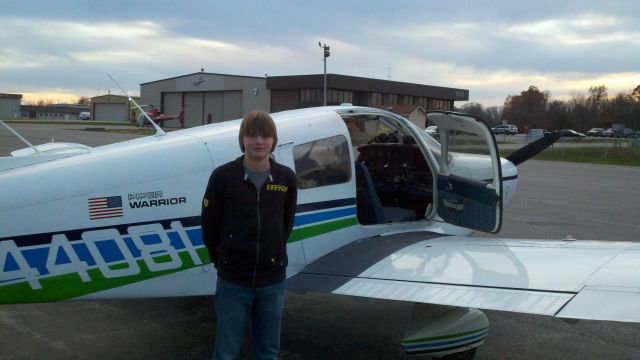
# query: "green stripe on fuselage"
[[315, 230], [69, 286]]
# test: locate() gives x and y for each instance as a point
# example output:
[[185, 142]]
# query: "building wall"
[[255, 95], [52, 112], [53, 115], [9, 108], [298, 91], [288, 99], [151, 93], [48, 115]]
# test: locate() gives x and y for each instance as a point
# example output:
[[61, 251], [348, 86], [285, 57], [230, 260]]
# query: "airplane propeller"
[[532, 149]]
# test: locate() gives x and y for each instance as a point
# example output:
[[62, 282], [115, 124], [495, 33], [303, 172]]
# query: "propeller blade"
[[526, 152]]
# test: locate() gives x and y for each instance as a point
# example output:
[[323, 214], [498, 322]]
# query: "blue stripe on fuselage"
[[36, 257], [323, 216]]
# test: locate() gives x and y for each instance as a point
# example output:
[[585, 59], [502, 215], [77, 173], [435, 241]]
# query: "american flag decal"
[[105, 207]]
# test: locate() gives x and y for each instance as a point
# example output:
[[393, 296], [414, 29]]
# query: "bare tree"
[[527, 109], [534, 108], [473, 108], [634, 96], [557, 116], [44, 102], [492, 115]]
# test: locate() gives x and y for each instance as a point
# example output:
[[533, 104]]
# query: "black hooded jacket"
[[246, 229]]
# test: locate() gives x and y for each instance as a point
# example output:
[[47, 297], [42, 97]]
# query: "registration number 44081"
[[114, 254]]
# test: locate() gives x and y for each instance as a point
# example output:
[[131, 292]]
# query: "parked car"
[[85, 115], [571, 133], [595, 132], [505, 129], [607, 133], [432, 130]]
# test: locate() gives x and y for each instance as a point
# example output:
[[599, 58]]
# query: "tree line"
[[82, 100], [536, 109]]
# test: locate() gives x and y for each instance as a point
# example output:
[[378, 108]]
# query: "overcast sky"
[[62, 50]]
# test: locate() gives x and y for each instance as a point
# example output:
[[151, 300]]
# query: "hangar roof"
[[70, 109], [10, 96], [202, 73], [337, 81]]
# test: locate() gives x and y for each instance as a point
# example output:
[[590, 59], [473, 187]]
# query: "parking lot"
[[555, 200]]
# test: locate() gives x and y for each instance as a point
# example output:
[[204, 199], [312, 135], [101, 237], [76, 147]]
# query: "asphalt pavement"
[[554, 200]]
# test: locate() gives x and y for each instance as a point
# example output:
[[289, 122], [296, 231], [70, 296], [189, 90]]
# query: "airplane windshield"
[[432, 144]]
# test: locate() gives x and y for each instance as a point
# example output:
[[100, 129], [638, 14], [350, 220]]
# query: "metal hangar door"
[[193, 109], [110, 112]]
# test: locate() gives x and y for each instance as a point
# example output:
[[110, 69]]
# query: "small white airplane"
[[384, 211]]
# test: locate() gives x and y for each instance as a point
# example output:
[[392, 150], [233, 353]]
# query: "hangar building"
[[111, 108], [207, 98], [10, 106], [299, 91], [53, 112]]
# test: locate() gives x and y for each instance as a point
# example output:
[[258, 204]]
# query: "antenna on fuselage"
[[159, 131], [20, 137]]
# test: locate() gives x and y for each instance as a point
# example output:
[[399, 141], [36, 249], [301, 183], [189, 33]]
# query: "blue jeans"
[[235, 306]]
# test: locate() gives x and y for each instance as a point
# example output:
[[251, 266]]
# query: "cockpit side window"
[[322, 162]]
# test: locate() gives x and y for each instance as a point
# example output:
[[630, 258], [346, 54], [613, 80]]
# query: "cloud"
[[11, 59], [136, 50], [583, 29], [584, 42], [493, 50]]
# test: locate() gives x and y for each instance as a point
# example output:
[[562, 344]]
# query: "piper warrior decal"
[[153, 198]]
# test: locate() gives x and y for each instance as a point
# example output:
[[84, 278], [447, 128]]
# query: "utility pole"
[[389, 72], [326, 55]]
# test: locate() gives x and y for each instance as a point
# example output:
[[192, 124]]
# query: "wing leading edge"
[[570, 279]]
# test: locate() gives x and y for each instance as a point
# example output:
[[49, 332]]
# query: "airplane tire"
[[464, 355]]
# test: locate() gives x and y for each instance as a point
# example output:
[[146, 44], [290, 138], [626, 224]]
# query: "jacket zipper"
[[255, 268]]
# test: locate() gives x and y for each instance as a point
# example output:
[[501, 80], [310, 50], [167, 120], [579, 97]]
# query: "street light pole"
[[326, 55]]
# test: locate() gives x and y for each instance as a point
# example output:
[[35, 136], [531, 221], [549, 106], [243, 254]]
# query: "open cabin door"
[[469, 180]]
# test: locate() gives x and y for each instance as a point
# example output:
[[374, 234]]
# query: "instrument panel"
[[400, 174]]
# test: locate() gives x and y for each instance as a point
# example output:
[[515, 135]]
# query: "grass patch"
[[594, 140], [593, 155]]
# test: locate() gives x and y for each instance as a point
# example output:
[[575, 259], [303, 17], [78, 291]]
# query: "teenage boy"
[[247, 216]]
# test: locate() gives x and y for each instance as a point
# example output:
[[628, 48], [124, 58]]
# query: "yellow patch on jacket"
[[271, 187]]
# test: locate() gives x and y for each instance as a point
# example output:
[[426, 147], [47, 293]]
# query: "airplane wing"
[[47, 152], [596, 280]]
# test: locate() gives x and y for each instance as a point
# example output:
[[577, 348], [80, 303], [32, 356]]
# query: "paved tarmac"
[[38, 134], [554, 200]]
